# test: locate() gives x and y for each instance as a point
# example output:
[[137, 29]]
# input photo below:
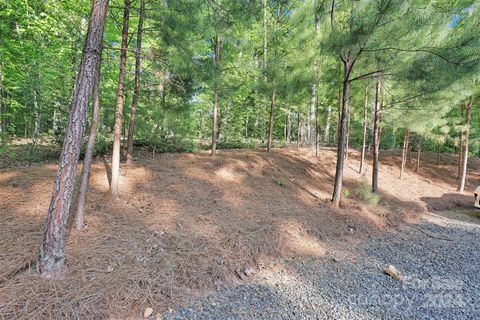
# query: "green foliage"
[[13, 155], [364, 191], [166, 146], [279, 183], [240, 144], [428, 53]]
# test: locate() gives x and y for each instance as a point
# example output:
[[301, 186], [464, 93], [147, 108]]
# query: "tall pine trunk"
[[460, 154], [270, 126], [311, 130], [36, 121], [87, 162], [136, 83], [460, 147], [463, 173], [364, 131], [406, 139], [289, 126], [347, 143], [376, 136], [52, 251], [264, 64], [327, 125], [3, 111], [419, 149], [317, 136], [342, 131], [298, 130], [117, 136], [216, 95], [409, 153], [255, 123]]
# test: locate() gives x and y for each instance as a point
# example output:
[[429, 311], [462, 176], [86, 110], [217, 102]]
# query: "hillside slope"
[[187, 224]]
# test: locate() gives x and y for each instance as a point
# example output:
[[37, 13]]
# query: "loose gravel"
[[438, 260]]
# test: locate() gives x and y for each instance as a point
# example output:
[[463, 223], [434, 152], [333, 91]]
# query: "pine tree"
[[136, 83], [52, 252], [120, 102]]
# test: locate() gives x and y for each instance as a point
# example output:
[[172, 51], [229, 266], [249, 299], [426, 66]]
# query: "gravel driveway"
[[438, 259]]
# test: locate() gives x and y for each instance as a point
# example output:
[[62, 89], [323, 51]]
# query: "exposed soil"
[[189, 224]]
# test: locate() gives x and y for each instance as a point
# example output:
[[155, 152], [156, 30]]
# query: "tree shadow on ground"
[[303, 288], [445, 172], [186, 224], [449, 201]]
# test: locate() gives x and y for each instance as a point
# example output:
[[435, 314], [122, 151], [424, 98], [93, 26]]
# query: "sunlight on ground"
[[298, 242], [6, 176], [195, 219], [227, 174], [442, 221]]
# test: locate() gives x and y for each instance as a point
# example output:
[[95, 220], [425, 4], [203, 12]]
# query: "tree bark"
[[36, 121], [337, 191], [270, 127], [255, 124], [310, 126], [460, 148], [348, 138], [327, 125], [364, 131], [136, 83], [3, 111], [406, 139], [289, 127], [216, 95], [87, 162], [460, 154], [317, 136], [120, 100], [409, 153], [376, 136], [298, 130], [36, 110], [463, 174], [339, 114], [52, 253], [419, 149]]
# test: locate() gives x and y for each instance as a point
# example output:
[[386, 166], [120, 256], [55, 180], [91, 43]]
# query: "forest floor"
[[192, 235]]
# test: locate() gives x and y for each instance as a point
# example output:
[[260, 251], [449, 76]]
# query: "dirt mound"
[[189, 223]]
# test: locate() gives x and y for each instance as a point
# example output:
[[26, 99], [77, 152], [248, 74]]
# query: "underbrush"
[[14, 155], [242, 144], [22, 153], [364, 191], [246, 144], [168, 145]]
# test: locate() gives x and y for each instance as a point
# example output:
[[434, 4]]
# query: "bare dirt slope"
[[187, 224]]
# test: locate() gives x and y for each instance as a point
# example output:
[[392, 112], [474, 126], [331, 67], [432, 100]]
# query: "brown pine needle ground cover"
[[187, 224]]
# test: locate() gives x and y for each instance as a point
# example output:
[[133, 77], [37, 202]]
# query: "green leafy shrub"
[[364, 191], [168, 145]]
